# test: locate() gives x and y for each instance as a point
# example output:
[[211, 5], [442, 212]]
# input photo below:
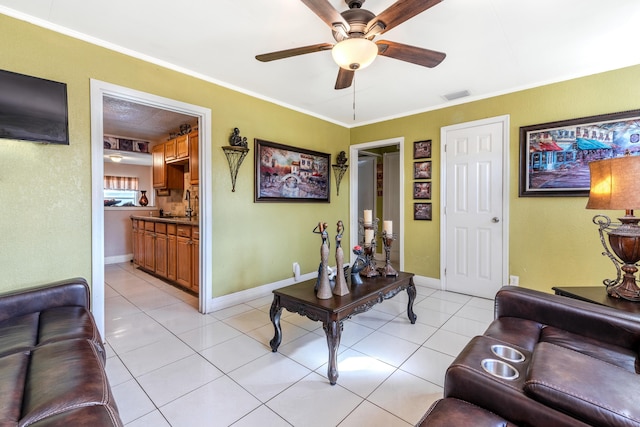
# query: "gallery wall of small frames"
[[422, 210]]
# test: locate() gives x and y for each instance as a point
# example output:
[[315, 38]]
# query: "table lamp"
[[615, 184]]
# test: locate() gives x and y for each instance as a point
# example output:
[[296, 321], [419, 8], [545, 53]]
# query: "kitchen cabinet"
[[161, 249], [194, 170], [170, 150], [176, 150], [137, 245], [182, 147], [183, 256], [149, 261], [195, 258], [165, 176], [170, 250]]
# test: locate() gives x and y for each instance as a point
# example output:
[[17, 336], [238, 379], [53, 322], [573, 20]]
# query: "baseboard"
[[118, 259], [241, 297], [429, 282]]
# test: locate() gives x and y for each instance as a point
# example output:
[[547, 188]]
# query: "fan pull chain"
[[354, 97]]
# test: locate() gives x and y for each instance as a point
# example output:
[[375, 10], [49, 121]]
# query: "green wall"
[[45, 190], [552, 240]]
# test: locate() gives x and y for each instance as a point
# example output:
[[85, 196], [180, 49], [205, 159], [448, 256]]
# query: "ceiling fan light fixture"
[[354, 53]]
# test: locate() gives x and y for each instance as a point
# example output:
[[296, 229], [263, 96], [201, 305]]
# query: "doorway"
[[100, 90], [357, 183], [475, 207]]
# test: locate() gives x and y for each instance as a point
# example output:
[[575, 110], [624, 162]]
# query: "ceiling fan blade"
[[413, 54], [345, 78], [401, 11], [326, 12], [281, 54]]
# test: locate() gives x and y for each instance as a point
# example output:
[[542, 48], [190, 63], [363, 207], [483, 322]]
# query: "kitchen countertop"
[[169, 219]]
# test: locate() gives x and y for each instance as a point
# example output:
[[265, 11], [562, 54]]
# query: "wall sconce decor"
[[235, 153], [339, 169], [615, 184]]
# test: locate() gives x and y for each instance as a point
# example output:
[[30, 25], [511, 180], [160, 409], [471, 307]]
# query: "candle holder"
[[387, 242], [369, 232]]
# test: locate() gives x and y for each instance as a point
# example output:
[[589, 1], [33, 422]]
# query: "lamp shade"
[[615, 183], [354, 53]]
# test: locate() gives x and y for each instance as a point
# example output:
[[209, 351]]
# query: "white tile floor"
[[171, 366]]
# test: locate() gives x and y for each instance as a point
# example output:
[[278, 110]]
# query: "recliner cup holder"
[[507, 353], [500, 369]]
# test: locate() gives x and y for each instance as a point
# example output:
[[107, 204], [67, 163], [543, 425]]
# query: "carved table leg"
[[411, 290], [274, 314], [334, 331]]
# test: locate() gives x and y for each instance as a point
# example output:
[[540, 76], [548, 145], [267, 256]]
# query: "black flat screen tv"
[[33, 109]]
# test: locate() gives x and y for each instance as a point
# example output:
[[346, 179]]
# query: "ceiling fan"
[[354, 31]]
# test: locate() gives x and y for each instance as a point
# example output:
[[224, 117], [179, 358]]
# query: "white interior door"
[[475, 180], [391, 198]]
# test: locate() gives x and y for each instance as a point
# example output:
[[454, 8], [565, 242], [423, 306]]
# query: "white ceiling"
[[492, 47]]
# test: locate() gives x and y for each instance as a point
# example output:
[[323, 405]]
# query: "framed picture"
[[422, 190], [290, 174], [422, 149], [422, 170], [555, 156], [422, 211]]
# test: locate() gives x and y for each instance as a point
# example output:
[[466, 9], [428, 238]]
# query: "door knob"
[[495, 219]]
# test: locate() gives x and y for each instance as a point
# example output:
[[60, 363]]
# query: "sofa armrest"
[[579, 317], [69, 292]]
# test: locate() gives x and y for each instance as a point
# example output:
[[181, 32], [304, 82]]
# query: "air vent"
[[456, 95]]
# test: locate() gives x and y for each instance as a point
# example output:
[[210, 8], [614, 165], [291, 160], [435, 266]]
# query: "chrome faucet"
[[188, 212]]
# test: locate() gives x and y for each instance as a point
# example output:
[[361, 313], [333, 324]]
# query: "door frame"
[[504, 121], [99, 90], [353, 191]]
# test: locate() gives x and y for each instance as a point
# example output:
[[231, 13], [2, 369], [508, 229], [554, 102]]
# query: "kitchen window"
[[120, 191]]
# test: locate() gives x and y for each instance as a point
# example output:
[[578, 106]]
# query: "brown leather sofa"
[[52, 359], [579, 366]]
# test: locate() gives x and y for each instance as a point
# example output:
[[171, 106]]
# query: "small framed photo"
[[422, 170], [422, 149], [422, 211], [422, 190]]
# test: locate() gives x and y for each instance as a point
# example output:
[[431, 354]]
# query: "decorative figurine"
[[235, 140], [340, 287], [323, 286], [357, 266]]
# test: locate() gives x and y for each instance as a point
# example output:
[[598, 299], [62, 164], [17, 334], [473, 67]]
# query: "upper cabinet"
[[182, 147], [165, 175], [177, 150], [194, 171], [170, 158]]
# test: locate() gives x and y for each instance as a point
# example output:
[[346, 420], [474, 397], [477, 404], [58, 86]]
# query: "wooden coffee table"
[[301, 298]]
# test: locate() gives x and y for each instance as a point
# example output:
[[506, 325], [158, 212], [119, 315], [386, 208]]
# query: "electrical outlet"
[[514, 280], [296, 271]]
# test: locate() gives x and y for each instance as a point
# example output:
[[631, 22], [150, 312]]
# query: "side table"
[[597, 295]]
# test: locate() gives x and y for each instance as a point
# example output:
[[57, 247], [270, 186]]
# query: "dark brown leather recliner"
[[52, 359], [579, 364]]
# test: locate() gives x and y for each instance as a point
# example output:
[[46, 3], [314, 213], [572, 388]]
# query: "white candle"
[[368, 236], [368, 215], [387, 226]]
